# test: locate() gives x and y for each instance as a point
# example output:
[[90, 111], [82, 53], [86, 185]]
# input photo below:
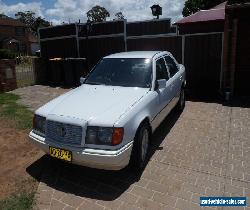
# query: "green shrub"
[[7, 54]]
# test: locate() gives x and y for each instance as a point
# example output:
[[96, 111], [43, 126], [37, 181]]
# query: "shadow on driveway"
[[94, 183], [243, 102]]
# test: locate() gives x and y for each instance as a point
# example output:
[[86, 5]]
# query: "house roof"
[[215, 13], [7, 21]]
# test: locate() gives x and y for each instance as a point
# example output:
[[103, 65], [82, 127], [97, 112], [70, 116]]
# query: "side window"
[[171, 66], [161, 70]]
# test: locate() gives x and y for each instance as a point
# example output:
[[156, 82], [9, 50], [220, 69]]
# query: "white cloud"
[[20, 7], [73, 10], [66, 10]]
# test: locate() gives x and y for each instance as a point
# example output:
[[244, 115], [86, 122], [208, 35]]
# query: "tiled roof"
[[216, 13], [10, 22]]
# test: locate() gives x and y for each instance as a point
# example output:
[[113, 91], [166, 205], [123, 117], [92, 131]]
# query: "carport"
[[231, 22], [203, 34]]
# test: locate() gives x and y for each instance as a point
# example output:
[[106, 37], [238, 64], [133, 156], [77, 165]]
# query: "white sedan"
[[107, 122]]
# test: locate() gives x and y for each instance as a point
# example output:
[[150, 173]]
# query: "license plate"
[[60, 154]]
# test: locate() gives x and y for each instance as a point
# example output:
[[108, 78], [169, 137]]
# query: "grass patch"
[[20, 115], [21, 201], [20, 118]]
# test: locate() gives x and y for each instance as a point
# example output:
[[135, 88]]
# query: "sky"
[[58, 11]]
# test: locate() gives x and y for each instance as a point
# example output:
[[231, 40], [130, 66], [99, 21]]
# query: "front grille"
[[64, 133]]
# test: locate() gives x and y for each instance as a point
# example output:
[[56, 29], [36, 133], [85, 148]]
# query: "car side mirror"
[[181, 66], [160, 84], [82, 80]]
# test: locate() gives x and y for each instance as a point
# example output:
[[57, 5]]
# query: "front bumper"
[[94, 158]]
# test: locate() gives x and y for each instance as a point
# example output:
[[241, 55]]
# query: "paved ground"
[[35, 96], [203, 152]]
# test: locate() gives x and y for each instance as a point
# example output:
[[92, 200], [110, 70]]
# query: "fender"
[[142, 110]]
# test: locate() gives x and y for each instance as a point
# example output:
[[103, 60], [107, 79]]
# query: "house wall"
[[10, 31]]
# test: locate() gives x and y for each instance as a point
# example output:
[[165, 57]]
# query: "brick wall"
[[7, 75], [10, 31]]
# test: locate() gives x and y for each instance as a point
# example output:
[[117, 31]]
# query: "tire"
[[182, 101], [139, 153]]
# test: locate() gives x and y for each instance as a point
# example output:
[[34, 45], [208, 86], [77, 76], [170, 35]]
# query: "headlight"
[[39, 124], [104, 136]]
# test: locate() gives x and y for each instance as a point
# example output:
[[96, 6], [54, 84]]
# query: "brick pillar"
[[7, 75]]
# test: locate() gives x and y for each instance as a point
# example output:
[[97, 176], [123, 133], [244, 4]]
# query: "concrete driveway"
[[203, 152]]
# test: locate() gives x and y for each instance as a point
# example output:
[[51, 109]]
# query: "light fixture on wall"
[[156, 10]]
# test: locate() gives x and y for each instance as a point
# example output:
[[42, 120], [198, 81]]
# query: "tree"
[[119, 16], [192, 6], [39, 23], [29, 19], [97, 14]]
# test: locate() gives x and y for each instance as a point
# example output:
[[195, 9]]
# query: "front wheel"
[[140, 148], [182, 101]]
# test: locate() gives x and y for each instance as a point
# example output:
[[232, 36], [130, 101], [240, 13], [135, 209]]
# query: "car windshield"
[[126, 72]]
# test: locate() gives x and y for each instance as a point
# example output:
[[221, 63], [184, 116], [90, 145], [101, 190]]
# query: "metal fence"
[[200, 53], [25, 75]]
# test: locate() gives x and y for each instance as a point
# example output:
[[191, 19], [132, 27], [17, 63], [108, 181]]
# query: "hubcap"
[[144, 147]]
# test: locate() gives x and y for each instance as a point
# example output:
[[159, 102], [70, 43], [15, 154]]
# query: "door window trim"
[[175, 62], [165, 66]]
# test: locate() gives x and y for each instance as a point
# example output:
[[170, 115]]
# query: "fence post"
[[125, 34], [233, 53], [222, 64], [183, 49], [77, 41]]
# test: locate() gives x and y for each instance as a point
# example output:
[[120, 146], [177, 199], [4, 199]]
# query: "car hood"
[[98, 103]]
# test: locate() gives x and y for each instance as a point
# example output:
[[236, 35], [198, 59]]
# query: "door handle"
[[180, 77]]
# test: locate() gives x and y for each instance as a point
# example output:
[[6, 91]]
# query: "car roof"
[[137, 54]]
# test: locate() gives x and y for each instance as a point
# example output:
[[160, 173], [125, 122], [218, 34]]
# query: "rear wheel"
[[140, 148]]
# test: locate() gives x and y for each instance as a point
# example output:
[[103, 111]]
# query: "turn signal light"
[[117, 136]]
